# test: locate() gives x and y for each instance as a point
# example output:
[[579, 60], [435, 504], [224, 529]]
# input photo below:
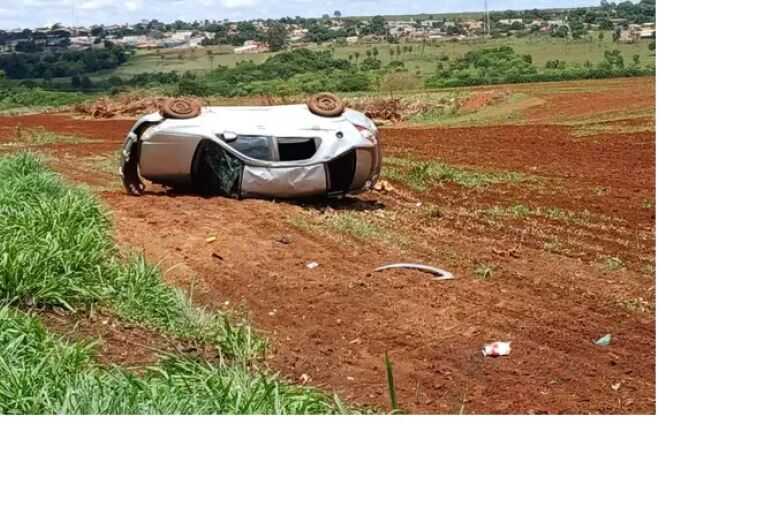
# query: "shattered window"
[[220, 170], [257, 147]]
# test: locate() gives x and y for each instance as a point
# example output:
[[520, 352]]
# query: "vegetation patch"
[[521, 211], [612, 263], [41, 373], [355, 225], [483, 271], [56, 251], [423, 175], [502, 65], [35, 136], [20, 99]]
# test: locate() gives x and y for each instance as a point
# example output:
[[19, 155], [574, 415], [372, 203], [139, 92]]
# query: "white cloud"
[[134, 5], [91, 5], [235, 4]]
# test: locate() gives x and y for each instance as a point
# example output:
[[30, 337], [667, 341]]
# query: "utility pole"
[[487, 20]]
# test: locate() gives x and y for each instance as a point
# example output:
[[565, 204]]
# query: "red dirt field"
[[558, 281]]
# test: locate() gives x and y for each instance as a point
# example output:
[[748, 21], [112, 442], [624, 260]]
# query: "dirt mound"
[[481, 99], [122, 106], [390, 109]]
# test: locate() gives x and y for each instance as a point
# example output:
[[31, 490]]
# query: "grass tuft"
[[354, 224], [483, 271]]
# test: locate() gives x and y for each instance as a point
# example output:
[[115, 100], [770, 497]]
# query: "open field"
[[540, 198], [542, 49], [182, 60]]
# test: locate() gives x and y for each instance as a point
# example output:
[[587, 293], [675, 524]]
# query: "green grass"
[[612, 263], [41, 373], [422, 60], [541, 48], [104, 163], [516, 211], [356, 225], [56, 251], [483, 271], [35, 136], [521, 211], [195, 60], [423, 175], [18, 100]]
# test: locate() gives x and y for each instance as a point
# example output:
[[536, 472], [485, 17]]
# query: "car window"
[[257, 147]]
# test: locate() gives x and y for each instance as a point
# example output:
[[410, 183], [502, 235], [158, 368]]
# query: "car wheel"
[[180, 109], [326, 104]]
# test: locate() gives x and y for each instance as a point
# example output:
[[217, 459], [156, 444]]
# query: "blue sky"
[[33, 13]]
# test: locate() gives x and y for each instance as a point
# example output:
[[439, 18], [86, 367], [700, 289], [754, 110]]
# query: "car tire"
[[326, 104], [180, 109]]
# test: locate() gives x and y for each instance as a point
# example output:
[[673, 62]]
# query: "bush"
[[36, 97], [502, 65]]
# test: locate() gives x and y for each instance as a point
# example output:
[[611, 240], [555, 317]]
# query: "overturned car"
[[287, 151]]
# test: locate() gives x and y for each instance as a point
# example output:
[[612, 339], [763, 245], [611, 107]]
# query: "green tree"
[[377, 25], [277, 37]]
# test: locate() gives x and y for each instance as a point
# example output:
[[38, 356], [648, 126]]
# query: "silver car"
[[289, 151]]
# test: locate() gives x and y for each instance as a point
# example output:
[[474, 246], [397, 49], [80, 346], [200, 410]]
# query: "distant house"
[[647, 31], [298, 34], [81, 42], [473, 25], [352, 40], [250, 47], [510, 21], [630, 34]]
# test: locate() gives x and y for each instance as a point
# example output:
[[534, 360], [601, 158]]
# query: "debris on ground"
[[497, 349], [211, 239], [128, 105], [383, 185], [606, 340], [312, 265], [440, 273]]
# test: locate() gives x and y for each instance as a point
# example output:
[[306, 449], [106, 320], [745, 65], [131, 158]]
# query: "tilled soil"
[[554, 286]]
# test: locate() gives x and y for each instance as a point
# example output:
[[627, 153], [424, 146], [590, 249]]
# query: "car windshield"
[[257, 147]]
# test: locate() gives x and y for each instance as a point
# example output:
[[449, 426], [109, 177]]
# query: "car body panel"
[[167, 147]]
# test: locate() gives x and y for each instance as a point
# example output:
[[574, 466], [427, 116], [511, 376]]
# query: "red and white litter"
[[497, 349]]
